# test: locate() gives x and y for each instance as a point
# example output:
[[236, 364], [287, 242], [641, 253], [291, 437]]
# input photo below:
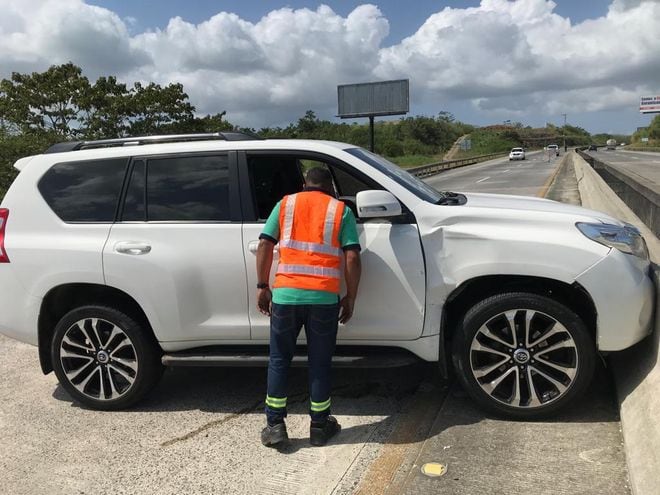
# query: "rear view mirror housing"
[[377, 204]]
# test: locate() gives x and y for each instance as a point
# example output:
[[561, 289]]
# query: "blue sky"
[[266, 62]]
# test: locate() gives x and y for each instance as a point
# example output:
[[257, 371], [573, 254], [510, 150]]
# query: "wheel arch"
[[466, 295], [63, 298]]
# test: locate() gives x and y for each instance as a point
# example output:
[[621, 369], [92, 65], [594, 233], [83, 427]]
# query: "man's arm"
[[352, 272], [264, 262]]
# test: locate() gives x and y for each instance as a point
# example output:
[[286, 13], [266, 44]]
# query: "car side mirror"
[[377, 204]]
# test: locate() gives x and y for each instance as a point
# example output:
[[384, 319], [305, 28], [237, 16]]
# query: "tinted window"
[[84, 191], [349, 185], [273, 177], [188, 188], [134, 202]]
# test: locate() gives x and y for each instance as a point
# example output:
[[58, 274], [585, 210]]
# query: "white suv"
[[118, 257]]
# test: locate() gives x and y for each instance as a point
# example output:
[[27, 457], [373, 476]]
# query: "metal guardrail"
[[434, 168]]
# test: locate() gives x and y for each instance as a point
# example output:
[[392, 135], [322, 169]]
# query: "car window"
[[396, 173], [84, 191], [187, 188], [272, 178]]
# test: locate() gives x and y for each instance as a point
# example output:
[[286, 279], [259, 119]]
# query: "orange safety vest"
[[310, 254]]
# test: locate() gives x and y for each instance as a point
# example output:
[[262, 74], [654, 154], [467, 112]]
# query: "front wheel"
[[104, 358], [522, 355]]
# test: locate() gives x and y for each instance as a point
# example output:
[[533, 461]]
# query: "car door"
[[178, 249], [391, 297]]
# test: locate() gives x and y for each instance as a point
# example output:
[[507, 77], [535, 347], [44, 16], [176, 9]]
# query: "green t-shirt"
[[348, 239]]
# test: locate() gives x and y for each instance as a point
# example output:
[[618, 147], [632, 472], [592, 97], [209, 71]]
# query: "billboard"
[[649, 104], [373, 99]]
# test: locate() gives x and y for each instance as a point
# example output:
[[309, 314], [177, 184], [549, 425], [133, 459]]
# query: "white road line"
[[506, 170], [481, 180]]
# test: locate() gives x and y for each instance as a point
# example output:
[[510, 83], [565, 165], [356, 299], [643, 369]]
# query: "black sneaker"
[[273, 436], [319, 435]]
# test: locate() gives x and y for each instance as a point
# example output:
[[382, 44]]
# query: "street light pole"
[[564, 133]]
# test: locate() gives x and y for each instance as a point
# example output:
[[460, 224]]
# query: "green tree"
[[156, 109], [50, 101], [106, 109]]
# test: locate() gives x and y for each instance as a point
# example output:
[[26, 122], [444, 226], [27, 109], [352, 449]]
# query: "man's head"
[[320, 177]]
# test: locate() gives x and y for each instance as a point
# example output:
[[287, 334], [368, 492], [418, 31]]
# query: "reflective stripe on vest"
[[289, 207], [330, 222], [310, 246], [310, 254], [319, 271]]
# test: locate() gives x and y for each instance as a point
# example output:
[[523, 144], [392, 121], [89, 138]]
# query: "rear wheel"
[[104, 358], [523, 355]]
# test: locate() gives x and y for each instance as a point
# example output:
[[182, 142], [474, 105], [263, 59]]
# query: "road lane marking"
[[506, 170], [481, 180]]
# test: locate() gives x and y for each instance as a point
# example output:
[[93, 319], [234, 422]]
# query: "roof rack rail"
[[142, 140]]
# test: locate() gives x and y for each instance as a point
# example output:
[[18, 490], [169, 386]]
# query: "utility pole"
[[564, 133]]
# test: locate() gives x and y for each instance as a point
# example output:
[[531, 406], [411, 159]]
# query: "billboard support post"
[[371, 133], [372, 100]]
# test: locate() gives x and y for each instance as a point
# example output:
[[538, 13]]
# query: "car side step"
[[379, 360]]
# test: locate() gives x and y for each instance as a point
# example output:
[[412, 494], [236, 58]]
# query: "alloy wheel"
[[523, 358], [99, 359]]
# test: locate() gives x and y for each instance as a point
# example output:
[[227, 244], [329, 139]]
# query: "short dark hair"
[[319, 176]]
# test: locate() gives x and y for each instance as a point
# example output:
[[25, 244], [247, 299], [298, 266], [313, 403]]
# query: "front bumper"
[[624, 295]]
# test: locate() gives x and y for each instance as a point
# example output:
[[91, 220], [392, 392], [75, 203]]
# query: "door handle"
[[253, 246], [134, 248]]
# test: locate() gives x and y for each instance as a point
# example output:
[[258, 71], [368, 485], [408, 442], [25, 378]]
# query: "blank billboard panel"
[[376, 98]]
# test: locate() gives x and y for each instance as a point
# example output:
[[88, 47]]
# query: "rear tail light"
[[4, 215]]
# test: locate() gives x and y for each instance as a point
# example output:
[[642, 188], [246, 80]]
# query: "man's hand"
[[346, 309], [264, 298]]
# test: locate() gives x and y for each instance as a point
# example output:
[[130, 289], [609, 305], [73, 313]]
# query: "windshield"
[[516, 150], [396, 173]]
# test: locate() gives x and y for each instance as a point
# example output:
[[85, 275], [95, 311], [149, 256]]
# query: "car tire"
[[552, 349], [104, 358]]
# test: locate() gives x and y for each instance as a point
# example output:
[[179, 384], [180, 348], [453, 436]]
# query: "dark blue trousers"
[[320, 322]]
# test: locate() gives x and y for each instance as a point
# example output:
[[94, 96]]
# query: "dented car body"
[[521, 293]]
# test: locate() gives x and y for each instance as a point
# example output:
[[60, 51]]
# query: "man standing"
[[315, 231]]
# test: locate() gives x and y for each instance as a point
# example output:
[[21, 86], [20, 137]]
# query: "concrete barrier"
[[636, 370], [632, 189]]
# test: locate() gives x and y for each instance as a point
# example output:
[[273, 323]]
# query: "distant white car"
[[553, 148], [517, 154]]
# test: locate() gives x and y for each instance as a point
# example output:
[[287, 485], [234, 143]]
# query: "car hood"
[[528, 203]]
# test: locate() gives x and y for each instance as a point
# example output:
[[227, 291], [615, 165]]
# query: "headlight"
[[626, 239]]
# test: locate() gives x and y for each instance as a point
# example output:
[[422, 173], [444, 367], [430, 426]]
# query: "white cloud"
[[502, 51], [520, 56], [35, 34]]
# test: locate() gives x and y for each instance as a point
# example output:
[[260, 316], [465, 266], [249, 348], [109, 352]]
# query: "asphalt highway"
[[521, 177], [642, 164]]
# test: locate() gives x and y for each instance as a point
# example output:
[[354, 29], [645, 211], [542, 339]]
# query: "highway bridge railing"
[[436, 168], [641, 197]]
